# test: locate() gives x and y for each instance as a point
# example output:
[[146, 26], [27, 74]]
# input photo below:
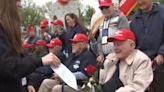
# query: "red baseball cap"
[[122, 34], [79, 37], [26, 45], [55, 42], [104, 3], [30, 29], [41, 42], [57, 22], [44, 23]]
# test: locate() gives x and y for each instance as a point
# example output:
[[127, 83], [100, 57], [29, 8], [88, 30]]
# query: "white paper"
[[66, 75], [24, 81]]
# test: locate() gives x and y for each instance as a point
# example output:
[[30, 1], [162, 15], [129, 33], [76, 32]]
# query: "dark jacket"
[[80, 62], [14, 66], [150, 33]]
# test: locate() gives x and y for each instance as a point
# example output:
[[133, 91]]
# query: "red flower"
[[90, 69]]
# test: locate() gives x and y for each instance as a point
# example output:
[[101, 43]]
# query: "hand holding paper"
[[66, 75]]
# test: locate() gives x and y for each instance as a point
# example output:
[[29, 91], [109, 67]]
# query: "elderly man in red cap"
[[32, 37], [77, 62], [55, 47], [26, 48], [45, 31], [58, 27], [126, 69], [36, 78], [112, 22], [40, 48], [59, 31]]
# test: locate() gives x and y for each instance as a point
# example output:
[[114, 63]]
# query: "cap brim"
[[50, 45], [52, 23], [73, 40], [42, 26], [111, 39], [26, 46], [104, 4], [37, 43]]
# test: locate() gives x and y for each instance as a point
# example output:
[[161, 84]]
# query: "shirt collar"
[[155, 9], [129, 60]]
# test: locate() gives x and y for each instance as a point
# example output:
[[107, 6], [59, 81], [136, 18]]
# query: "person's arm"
[[14, 65], [123, 22], [31, 88], [100, 57], [159, 59], [143, 76]]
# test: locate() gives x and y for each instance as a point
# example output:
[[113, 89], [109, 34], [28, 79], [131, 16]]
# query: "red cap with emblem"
[[41, 42], [79, 37], [122, 34], [57, 22], [44, 23], [55, 42]]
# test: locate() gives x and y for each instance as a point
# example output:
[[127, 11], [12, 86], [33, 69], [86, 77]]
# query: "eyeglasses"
[[104, 7], [75, 42], [119, 43]]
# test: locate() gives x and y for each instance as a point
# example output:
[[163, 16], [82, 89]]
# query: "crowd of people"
[[128, 54]]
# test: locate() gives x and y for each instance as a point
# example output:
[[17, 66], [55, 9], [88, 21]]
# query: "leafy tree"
[[49, 10], [31, 14], [86, 14], [160, 1]]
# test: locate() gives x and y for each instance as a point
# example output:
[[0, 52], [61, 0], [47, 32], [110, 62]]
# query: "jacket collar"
[[129, 60]]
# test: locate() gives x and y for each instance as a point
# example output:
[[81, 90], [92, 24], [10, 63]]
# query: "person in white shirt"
[[134, 72]]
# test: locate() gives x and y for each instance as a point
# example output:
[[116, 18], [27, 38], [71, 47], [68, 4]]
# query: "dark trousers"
[[24, 89], [158, 82]]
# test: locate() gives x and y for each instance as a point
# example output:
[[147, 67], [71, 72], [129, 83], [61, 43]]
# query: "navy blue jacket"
[[79, 62], [149, 35]]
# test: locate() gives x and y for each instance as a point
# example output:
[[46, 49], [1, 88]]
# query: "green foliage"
[[160, 1], [92, 82], [31, 15], [86, 14]]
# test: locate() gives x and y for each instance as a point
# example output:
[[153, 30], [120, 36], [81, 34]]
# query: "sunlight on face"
[[70, 21], [144, 5], [108, 11], [123, 48], [76, 47]]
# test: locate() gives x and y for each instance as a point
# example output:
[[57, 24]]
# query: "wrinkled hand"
[[100, 58], [55, 76], [30, 88], [45, 34], [159, 59], [51, 59]]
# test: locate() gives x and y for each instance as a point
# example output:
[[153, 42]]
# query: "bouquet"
[[92, 83]]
